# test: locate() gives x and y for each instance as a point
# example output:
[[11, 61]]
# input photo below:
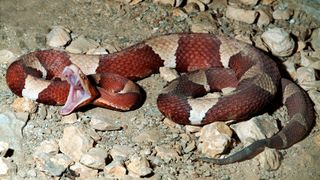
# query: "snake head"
[[81, 91]]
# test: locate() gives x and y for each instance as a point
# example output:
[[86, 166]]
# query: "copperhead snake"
[[211, 62]]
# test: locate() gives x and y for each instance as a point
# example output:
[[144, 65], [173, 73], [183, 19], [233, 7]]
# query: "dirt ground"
[[23, 28]]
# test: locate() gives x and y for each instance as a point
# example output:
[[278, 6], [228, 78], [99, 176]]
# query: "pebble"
[[115, 169], [169, 2], [269, 159], [315, 39], [168, 74], [103, 124], [179, 13], [4, 168], [192, 129], [81, 45], [249, 2], [48, 146], [4, 147], [69, 119], [167, 152], [282, 14], [95, 158], [22, 104], [317, 139], [246, 16], [121, 151], [75, 137], [278, 41], [97, 51], [149, 135], [315, 97], [139, 166], [290, 66], [58, 36], [264, 18], [306, 77], [53, 165], [201, 27], [191, 8], [6, 56], [84, 172], [214, 138]]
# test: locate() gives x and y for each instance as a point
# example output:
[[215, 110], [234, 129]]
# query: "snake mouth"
[[81, 91]]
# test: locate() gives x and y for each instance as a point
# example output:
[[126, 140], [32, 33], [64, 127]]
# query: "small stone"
[[282, 14], [166, 152], [4, 147], [192, 129], [84, 172], [139, 166], [54, 165], [306, 77], [179, 13], [264, 18], [119, 151], [269, 159], [75, 137], [278, 41], [169, 2], [259, 127], [115, 169], [81, 45], [246, 16], [93, 134], [6, 56], [69, 119], [215, 138], [227, 90], [243, 38], [149, 135], [317, 139], [23, 116], [190, 147], [249, 2], [203, 27], [4, 167], [58, 36], [191, 7], [22, 104], [95, 158], [315, 38], [103, 124], [301, 46], [48, 146], [291, 68], [315, 97]]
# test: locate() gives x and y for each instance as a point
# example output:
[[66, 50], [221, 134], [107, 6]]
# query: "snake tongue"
[[81, 91]]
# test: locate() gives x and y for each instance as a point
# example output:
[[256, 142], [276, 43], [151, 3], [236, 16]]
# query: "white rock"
[[291, 68], [246, 16], [307, 78], [22, 104], [166, 152], [315, 39], [4, 167], [227, 90], [259, 127], [264, 18], [201, 27], [282, 13], [115, 169], [58, 36], [315, 97], [83, 171], [103, 124], [6, 56], [168, 74], [269, 159], [69, 119], [169, 2], [191, 7], [139, 166], [81, 45], [95, 158], [121, 151], [4, 147], [192, 129], [249, 2], [214, 138], [75, 137], [278, 41], [48, 146]]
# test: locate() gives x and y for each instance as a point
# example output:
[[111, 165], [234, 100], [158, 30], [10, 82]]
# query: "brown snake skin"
[[213, 62]]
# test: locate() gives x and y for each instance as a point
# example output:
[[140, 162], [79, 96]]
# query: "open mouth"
[[80, 92]]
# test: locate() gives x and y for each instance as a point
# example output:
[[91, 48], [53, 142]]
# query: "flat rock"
[[315, 38], [149, 135], [74, 136], [115, 169], [6, 56], [4, 147], [215, 138], [278, 41], [246, 16], [167, 152], [139, 166], [69, 119], [121, 151], [84, 172], [81, 45], [95, 158], [103, 124], [53, 165], [58, 36], [22, 104], [48, 146]]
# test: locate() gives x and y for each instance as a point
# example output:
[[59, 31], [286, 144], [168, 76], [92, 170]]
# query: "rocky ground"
[[96, 143]]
